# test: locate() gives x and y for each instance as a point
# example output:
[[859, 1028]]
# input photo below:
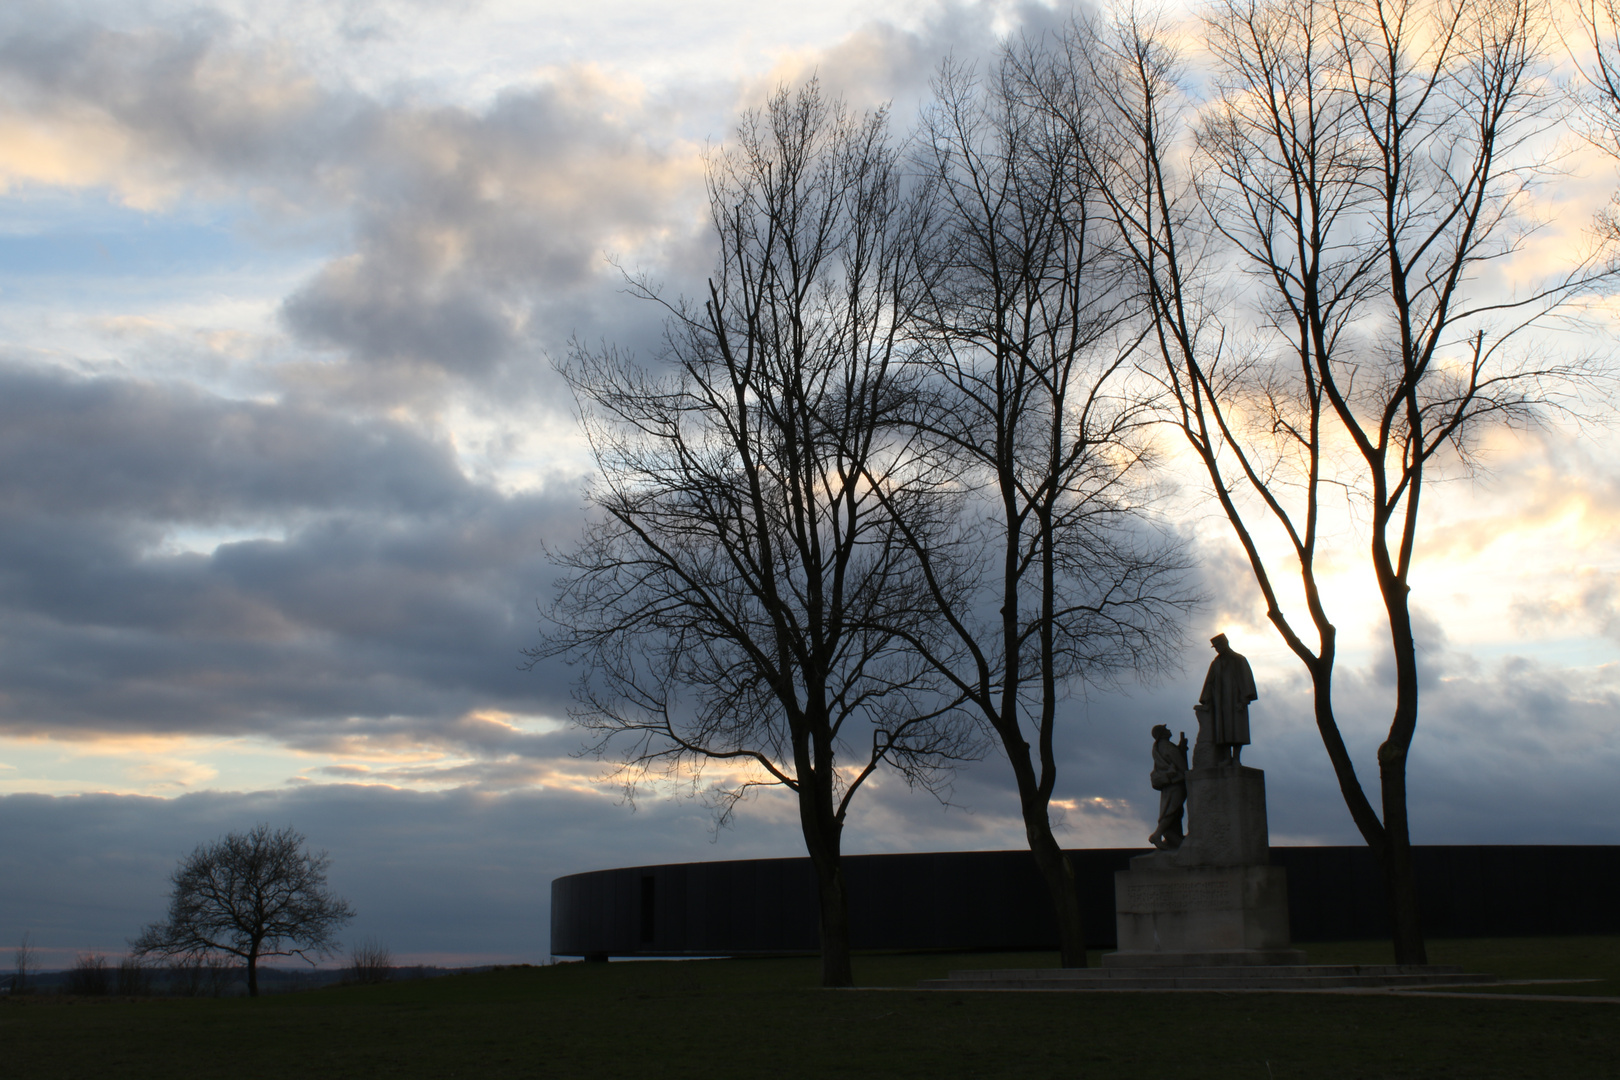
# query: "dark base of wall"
[[994, 900]]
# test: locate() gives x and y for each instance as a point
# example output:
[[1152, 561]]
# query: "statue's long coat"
[[1228, 689]]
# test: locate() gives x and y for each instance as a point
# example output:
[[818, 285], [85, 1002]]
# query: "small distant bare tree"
[[89, 976], [249, 895], [370, 961], [198, 976], [216, 974], [184, 978], [23, 966], [134, 978]]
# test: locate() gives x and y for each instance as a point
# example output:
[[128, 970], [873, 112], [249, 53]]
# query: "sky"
[[282, 452]]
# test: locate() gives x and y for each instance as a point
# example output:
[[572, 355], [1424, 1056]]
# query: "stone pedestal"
[[1204, 909], [1215, 898]]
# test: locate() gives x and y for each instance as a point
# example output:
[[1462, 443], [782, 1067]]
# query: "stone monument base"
[[1244, 958], [1206, 909]]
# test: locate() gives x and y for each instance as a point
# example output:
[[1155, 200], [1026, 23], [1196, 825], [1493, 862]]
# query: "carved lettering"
[[1179, 895]]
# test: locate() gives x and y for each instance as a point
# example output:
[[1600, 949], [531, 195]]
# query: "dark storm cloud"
[[126, 449], [390, 584]]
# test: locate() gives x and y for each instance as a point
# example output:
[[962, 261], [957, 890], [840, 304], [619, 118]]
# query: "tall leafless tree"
[[1054, 574], [248, 895], [742, 596], [1358, 166], [1597, 93]]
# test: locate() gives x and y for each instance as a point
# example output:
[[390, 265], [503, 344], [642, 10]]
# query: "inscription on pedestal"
[[1178, 895]]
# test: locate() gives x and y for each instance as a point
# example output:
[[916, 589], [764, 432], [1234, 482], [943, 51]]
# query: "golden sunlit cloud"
[[80, 150]]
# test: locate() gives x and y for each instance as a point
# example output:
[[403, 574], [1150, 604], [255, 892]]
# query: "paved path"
[[1353, 991]]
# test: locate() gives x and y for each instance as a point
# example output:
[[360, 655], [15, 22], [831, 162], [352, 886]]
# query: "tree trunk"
[[1406, 929], [253, 974], [823, 835], [834, 922], [1061, 886], [1058, 873]]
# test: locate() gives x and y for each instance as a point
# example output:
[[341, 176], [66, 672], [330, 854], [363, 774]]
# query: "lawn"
[[757, 1018]]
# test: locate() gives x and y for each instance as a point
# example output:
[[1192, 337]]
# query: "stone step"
[[1301, 977], [1204, 958], [1209, 971]]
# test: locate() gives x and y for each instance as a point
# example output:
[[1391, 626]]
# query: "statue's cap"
[[1218, 640]]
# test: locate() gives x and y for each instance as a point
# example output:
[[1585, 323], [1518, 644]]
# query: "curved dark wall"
[[995, 900]]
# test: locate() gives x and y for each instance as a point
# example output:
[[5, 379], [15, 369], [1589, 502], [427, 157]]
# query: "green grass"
[[766, 1018]]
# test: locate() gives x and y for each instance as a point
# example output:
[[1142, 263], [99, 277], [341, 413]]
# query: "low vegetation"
[[687, 1019]]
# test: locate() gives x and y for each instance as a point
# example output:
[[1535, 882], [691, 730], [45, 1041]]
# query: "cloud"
[[153, 113], [168, 452], [479, 235], [373, 578], [491, 226]]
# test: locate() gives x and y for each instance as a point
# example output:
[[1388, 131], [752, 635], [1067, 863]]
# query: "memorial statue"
[[1204, 749], [1228, 689], [1169, 779]]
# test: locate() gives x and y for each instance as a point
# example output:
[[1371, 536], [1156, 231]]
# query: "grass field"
[[766, 1018]]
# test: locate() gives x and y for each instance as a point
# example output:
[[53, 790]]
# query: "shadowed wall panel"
[[967, 900]]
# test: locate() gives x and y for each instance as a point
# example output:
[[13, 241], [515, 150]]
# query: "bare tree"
[[24, 965], [134, 979], [370, 961], [1358, 166], [249, 895], [198, 976], [1597, 94], [89, 976], [735, 601], [1054, 575]]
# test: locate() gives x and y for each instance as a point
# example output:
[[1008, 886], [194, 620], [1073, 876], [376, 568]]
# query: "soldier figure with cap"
[[1228, 689]]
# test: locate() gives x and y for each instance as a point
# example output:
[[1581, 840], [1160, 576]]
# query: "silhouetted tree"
[[1597, 95], [89, 976], [370, 961], [24, 964], [1311, 238], [1053, 573], [134, 977], [742, 594], [249, 895]]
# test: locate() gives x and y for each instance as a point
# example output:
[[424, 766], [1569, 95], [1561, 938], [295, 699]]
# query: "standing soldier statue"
[[1169, 779], [1228, 689]]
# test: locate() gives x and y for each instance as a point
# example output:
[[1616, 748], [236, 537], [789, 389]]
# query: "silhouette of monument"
[[1212, 897]]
